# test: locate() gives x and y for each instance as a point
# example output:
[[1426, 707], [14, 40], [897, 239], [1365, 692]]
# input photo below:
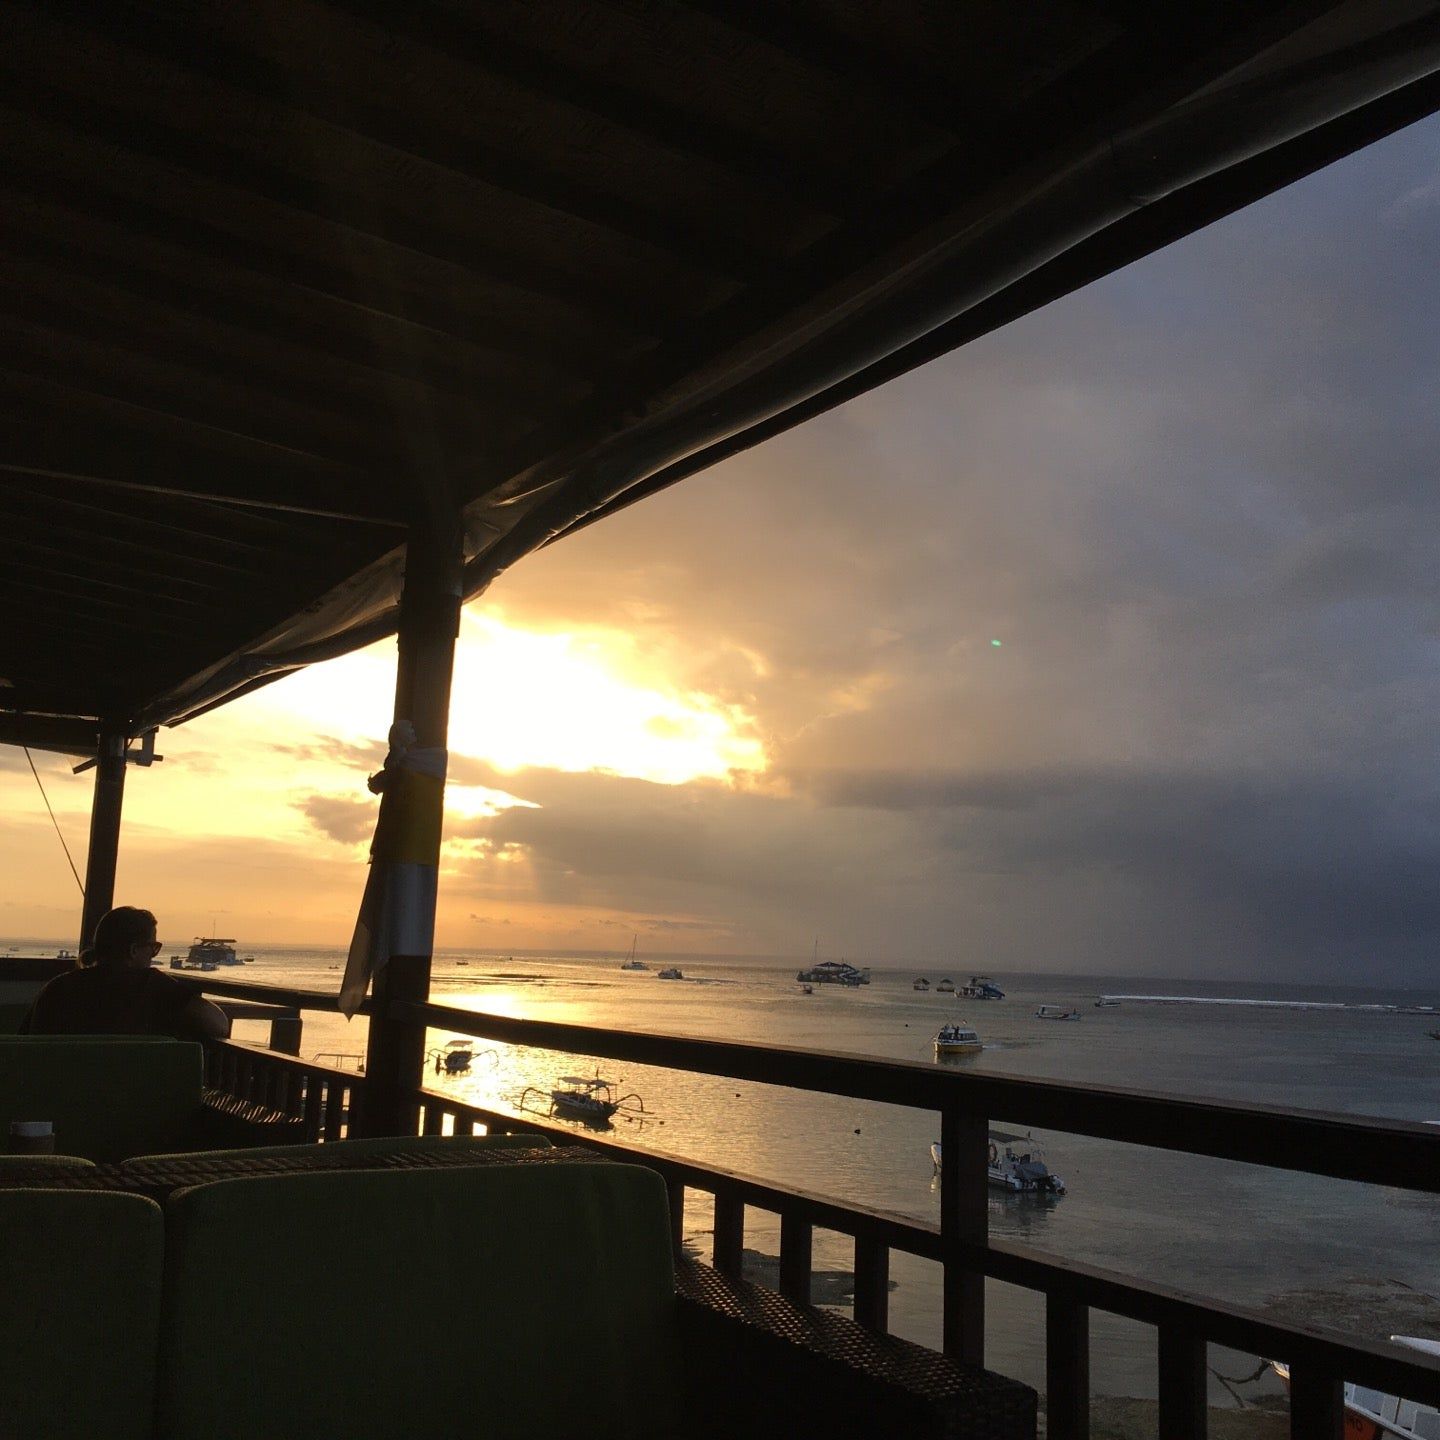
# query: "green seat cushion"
[[524, 1301], [107, 1097], [347, 1150], [11, 1014], [80, 1273]]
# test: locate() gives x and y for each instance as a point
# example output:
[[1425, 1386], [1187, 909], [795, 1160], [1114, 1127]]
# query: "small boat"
[[982, 987], [1015, 1163], [671, 972], [456, 1057], [62, 955], [634, 963], [921, 984], [250, 960], [1101, 1001], [1056, 1012], [590, 1100], [807, 989], [957, 1040], [211, 949], [834, 972], [1374, 1415], [945, 987]]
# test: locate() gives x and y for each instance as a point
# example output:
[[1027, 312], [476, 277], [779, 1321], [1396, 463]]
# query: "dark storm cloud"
[[1196, 504], [350, 822]]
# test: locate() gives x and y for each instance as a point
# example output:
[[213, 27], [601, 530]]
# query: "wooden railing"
[[327, 1100], [1341, 1147]]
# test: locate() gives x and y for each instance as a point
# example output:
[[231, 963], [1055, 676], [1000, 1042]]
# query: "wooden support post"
[[728, 1254], [285, 1032], [429, 623], [1182, 1384], [1317, 1405], [964, 1222], [872, 1283], [1067, 1368], [797, 1238], [105, 811]]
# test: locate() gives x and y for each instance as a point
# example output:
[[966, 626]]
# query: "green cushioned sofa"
[[110, 1097]]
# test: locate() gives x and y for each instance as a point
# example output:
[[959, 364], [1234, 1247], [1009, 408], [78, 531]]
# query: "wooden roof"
[[275, 271]]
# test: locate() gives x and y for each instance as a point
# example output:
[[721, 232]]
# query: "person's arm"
[[202, 1018]]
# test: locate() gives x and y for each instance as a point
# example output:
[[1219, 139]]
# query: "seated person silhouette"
[[116, 992]]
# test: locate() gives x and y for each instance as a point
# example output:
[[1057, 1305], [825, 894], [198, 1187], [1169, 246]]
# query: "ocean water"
[[1363, 1257]]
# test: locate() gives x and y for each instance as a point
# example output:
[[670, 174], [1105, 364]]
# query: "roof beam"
[[257, 79], [62, 734], [168, 260], [747, 157], [75, 143]]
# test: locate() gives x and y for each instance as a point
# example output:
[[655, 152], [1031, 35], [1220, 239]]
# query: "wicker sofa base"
[[755, 1358]]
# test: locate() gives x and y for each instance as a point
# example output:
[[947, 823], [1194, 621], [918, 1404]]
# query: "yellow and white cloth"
[[397, 913]]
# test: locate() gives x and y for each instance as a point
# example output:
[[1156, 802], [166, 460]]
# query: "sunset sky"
[[1196, 507]]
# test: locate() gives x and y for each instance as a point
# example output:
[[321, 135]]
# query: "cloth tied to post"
[[397, 912]]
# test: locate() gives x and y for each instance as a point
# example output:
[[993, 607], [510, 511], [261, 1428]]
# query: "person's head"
[[124, 939]]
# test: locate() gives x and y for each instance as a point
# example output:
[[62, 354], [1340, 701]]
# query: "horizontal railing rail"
[[1398, 1154], [1342, 1147]]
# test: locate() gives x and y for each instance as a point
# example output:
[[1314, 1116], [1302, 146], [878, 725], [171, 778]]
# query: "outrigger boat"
[[1374, 1415], [1015, 1163], [957, 1040], [945, 987], [456, 1057], [590, 1100], [921, 984]]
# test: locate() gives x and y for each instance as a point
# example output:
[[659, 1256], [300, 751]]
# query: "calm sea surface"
[[1323, 1248]]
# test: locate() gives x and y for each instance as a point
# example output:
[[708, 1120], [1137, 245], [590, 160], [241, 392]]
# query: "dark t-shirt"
[[109, 1001]]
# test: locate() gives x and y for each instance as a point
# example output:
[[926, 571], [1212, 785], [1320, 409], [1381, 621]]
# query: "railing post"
[[872, 1283], [964, 1223], [797, 1247], [285, 1032], [1067, 1368], [1182, 1384], [429, 624], [1317, 1405], [729, 1233]]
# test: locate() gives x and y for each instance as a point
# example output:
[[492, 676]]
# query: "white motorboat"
[[671, 972], [957, 1040], [1374, 1415], [1015, 1163], [834, 972], [1056, 1012], [982, 987]]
